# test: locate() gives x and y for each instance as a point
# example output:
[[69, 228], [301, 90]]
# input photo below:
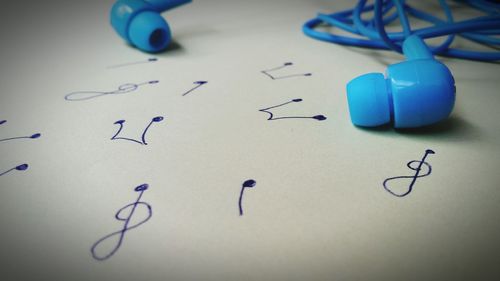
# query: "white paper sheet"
[[318, 209]]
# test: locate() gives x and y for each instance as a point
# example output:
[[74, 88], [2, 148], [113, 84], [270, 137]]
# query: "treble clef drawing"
[[125, 216], [421, 168], [122, 89]]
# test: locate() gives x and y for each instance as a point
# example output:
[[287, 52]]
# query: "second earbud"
[[139, 22], [417, 92]]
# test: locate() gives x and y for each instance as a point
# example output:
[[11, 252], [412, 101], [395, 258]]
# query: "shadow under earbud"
[[173, 47], [452, 129]]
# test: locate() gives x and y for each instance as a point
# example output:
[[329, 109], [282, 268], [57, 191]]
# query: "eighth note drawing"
[[247, 184], [271, 115], [132, 63], [268, 73], [22, 167], [34, 136], [419, 164], [122, 89], [198, 84], [122, 215], [143, 136]]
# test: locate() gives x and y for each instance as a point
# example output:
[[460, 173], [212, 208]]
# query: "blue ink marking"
[[413, 178], [123, 215], [122, 89], [143, 136], [286, 64], [34, 136], [198, 84], [22, 167], [247, 184], [133, 63], [271, 115]]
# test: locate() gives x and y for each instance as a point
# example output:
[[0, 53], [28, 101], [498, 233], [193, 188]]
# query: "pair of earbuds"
[[417, 92]]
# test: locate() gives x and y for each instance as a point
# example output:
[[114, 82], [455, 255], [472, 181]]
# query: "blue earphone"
[[139, 22], [419, 91]]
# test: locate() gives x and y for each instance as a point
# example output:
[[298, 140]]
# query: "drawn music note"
[[271, 115], [420, 164], [198, 84], [247, 184], [132, 63], [34, 136], [267, 72], [122, 89], [122, 215], [143, 136], [21, 167]]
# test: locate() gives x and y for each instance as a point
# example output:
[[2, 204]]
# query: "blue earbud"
[[417, 92], [139, 22]]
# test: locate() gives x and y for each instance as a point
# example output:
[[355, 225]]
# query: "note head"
[[142, 187], [249, 183], [22, 167]]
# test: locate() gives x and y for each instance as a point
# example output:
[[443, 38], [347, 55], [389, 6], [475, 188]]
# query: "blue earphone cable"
[[481, 29]]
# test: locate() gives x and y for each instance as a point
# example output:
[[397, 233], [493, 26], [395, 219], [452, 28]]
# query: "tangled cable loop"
[[372, 34]]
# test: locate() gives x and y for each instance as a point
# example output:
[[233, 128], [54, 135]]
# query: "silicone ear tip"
[[149, 32], [368, 100]]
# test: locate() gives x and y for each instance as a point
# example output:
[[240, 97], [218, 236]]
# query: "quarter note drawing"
[[247, 184], [122, 89], [33, 136], [99, 250], [268, 73], [133, 63], [198, 84], [142, 141], [271, 115], [22, 167], [419, 166]]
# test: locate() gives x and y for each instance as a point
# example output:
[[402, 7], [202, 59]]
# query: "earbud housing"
[[140, 23], [417, 92]]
